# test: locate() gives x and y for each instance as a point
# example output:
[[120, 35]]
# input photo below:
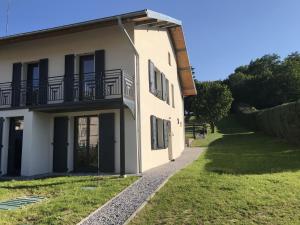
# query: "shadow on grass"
[[46, 183], [240, 151]]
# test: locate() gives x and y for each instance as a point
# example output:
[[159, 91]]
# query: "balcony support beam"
[[122, 142]]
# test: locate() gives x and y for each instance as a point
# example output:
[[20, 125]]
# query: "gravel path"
[[120, 208]]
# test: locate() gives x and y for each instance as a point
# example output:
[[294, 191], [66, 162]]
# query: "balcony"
[[61, 93]]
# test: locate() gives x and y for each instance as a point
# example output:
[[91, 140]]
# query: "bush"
[[282, 121]]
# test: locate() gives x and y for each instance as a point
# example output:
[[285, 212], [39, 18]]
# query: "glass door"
[[86, 77], [86, 144], [33, 82]]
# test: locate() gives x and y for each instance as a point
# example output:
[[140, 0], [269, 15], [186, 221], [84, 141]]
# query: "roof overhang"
[[139, 18]]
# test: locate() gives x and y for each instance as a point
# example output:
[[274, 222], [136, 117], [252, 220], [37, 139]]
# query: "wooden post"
[[122, 142], [194, 132]]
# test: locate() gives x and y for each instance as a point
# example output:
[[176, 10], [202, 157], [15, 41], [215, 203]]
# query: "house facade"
[[99, 96]]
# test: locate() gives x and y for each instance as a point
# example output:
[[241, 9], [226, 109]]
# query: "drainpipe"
[[137, 92]]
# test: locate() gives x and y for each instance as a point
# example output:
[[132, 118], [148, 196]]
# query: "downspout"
[[137, 92]]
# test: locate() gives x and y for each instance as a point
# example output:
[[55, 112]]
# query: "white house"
[[99, 96]]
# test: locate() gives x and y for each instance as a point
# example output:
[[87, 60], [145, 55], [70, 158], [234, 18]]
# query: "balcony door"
[[33, 81], [86, 77], [86, 143]]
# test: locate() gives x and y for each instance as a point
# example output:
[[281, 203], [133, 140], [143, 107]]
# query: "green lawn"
[[243, 178], [66, 202]]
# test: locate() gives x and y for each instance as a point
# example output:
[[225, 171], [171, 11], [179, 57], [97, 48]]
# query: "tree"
[[266, 81], [212, 103]]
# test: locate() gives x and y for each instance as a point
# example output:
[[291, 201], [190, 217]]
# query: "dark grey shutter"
[[152, 81], [1, 140], [166, 133], [153, 132], [163, 87], [100, 73], [16, 84], [43, 81], [167, 92], [69, 78]]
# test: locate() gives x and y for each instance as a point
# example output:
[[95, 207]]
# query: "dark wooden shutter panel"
[[166, 133], [153, 132], [163, 84], [152, 81], [16, 84], [43, 82], [1, 140], [69, 78], [100, 73], [167, 92]]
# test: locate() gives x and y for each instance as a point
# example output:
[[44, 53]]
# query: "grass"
[[66, 203], [242, 178]]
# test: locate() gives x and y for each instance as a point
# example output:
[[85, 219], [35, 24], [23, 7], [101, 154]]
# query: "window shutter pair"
[[43, 83], [153, 132], [152, 78], [99, 75]]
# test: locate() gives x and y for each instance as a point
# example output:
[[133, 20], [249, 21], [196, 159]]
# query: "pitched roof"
[[139, 18]]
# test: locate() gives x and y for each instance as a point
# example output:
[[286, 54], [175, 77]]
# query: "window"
[[172, 92], [169, 59], [158, 83], [159, 133]]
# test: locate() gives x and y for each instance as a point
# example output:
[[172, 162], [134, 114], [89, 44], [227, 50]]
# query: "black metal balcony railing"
[[59, 89]]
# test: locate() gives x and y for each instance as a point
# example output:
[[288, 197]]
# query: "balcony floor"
[[79, 106]]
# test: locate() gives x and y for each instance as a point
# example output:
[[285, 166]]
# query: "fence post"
[[194, 132]]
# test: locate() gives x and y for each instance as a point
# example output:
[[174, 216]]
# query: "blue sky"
[[220, 35]]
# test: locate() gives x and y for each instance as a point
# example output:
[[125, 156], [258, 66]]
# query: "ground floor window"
[[159, 133]]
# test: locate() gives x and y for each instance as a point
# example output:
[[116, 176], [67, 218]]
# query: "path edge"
[[109, 201], [133, 215]]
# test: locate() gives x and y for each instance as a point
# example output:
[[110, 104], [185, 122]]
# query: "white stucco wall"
[[38, 127], [118, 53], [37, 149], [155, 44]]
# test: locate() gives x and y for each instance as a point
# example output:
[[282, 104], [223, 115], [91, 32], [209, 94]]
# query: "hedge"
[[281, 121]]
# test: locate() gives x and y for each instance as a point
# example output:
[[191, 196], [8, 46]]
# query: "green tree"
[[212, 103], [266, 81]]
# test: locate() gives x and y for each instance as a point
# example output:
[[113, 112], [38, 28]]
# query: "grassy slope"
[[66, 202], [243, 178]]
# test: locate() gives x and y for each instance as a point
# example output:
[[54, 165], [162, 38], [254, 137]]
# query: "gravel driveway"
[[124, 205]]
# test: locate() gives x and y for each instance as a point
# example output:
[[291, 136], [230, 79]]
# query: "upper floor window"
[[33, 74], [158, 83], [169, 59]]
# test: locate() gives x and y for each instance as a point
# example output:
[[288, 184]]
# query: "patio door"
[[86, 144]]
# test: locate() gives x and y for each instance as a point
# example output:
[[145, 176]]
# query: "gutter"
[[137, 92]]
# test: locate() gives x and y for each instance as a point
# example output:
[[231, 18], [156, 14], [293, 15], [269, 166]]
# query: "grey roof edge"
[[146, 12], [160, 16]]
